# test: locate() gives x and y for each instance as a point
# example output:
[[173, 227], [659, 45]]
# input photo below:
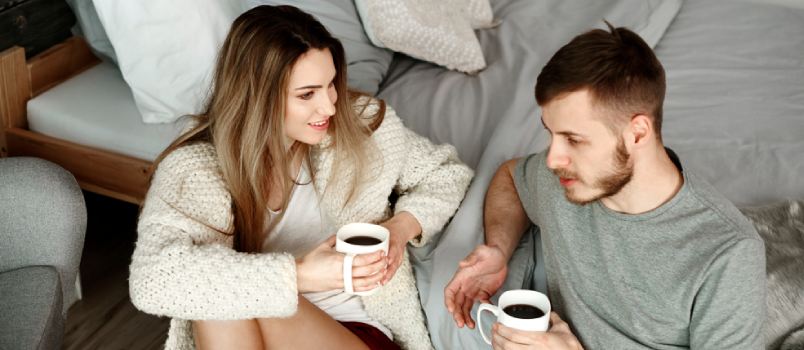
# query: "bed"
[[734, 112]]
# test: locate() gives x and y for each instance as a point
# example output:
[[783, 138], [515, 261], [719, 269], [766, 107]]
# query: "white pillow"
[[166, 50], [441, 31]]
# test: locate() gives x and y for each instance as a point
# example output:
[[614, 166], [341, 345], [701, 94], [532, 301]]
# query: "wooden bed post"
[[15, 91]]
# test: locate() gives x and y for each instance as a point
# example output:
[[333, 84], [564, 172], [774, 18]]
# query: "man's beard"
[[610, 184]]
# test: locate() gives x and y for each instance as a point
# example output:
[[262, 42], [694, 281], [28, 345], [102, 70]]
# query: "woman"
[[235, 236]]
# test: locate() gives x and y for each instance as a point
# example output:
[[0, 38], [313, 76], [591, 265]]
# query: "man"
[[638, 252]]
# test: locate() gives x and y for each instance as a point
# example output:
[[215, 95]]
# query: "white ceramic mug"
[[514, 297], [350, 250]]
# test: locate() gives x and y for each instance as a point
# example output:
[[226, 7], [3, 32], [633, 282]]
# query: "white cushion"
[[166, 50], [441, 32]]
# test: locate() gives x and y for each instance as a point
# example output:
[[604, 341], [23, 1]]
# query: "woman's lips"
[[323, 125]]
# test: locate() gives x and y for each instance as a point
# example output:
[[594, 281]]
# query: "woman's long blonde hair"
[[244, 117]]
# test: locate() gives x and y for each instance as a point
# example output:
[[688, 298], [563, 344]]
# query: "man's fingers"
[[468, 261], [457, 311], [449, 295], [484, 297], [331, 241], [467, 312], [557, 325], [519, 337]]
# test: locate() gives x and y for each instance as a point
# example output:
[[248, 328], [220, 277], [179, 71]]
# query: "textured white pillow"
[[166, 50], [441, 31]]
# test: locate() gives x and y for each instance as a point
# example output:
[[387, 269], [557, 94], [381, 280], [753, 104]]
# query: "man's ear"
[[640, 129]]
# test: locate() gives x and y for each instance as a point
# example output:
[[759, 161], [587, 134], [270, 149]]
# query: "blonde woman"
[[235, 236]]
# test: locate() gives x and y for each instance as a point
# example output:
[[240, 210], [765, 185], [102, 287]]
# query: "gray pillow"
[[90, 27], [781, 226], [367, 64]]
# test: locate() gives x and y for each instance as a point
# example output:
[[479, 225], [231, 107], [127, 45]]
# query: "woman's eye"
[[307, 96]]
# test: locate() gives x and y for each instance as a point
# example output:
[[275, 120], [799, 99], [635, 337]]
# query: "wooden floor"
[[105, 317]]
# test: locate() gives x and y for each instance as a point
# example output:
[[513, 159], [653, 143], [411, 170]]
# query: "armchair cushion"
[[31, 308]]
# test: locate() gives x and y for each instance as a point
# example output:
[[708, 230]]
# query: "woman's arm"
[[431, 185], [184, 267]]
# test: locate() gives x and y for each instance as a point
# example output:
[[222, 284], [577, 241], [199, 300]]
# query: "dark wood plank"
[[105, 317]]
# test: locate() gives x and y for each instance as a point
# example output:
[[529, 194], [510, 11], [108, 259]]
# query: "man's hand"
[[558, 337], [479, 276]]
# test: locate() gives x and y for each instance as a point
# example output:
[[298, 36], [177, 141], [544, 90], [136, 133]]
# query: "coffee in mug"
[[359, 238], [523, 311], [363, 240], [526, 310]]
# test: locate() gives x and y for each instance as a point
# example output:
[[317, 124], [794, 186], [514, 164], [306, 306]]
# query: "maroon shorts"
[[373, 337]]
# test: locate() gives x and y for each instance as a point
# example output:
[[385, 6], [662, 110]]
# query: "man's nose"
[[557, 159]]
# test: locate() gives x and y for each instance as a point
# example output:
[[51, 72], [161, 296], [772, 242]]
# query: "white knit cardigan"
[[184, 268]]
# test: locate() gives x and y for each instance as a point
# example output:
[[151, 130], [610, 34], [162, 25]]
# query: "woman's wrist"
[[405, 224], [301, 285]]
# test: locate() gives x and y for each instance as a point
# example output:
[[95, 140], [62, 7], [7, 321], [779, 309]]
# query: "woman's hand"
[[404, 227], [322, 269]]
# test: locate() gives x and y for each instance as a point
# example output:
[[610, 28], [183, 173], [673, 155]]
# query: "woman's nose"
[[326, 106]]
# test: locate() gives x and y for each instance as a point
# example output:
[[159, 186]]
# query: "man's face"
[[590, 162]]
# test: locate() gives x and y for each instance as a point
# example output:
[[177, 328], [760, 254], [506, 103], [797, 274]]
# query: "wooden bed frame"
[[103, 172]]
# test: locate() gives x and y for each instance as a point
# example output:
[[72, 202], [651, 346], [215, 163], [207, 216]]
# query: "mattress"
[[96, 109]]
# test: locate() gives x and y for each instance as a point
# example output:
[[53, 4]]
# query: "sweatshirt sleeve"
[[183, 264], [432, 183]]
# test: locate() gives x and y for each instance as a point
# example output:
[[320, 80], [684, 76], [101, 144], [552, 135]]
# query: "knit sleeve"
[[432, 183], [183, 264]]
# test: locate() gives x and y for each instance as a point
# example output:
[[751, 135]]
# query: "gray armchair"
[[42, 226]]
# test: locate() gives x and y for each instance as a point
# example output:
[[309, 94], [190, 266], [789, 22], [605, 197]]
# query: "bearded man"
[[638, 252]]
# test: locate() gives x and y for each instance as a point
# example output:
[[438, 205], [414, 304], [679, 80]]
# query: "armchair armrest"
[[44, 219]]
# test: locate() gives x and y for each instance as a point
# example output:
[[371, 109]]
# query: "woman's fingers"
[[366, 283], [378, 266], [368, 259]]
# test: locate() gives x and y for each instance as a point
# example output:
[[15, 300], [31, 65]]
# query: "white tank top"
[[303, 227]]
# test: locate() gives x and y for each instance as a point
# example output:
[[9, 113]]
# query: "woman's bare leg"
[[239, 334], [309, 328]]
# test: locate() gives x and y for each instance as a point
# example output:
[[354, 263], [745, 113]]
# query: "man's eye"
[[307, 96], [573, 141]]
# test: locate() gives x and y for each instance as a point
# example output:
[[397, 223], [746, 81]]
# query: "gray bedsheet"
[[734, 110]]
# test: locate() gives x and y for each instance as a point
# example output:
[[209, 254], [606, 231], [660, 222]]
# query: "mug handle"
[[485, 307], [348, 259]]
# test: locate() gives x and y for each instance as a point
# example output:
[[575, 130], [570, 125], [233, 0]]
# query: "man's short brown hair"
[[618, 68]]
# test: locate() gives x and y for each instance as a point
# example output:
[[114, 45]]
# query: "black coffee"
[[362, 240], [523, 311]]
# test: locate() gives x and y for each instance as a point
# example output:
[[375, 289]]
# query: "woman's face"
[[311, 97]]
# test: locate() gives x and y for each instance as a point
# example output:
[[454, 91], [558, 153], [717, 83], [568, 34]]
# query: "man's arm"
[[482, 273], [729, 308], [504, 217]]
